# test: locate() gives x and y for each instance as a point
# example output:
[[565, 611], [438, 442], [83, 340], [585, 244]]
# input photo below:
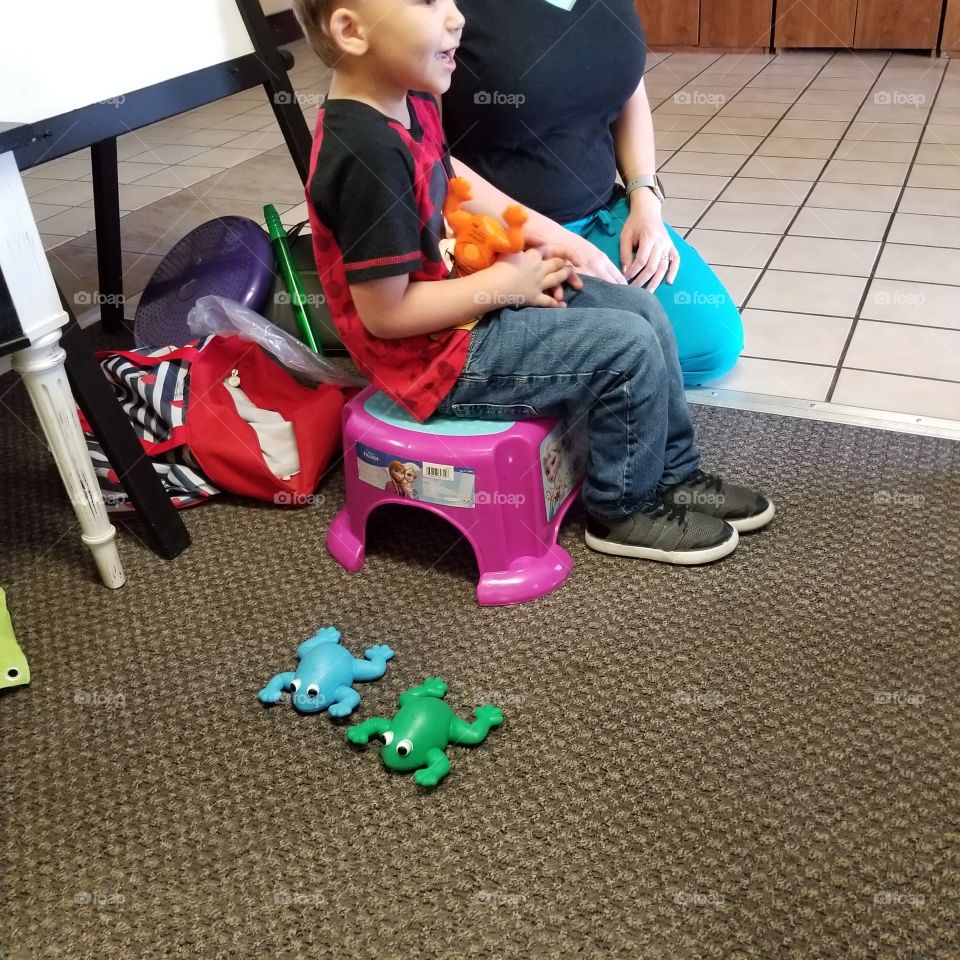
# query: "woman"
[[547, 103]]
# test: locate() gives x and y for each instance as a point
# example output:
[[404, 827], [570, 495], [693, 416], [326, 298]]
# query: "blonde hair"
[[314, 19]]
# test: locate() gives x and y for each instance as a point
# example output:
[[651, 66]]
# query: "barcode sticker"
[[437, 471]]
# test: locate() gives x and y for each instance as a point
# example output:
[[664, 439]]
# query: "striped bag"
[[220, 414]]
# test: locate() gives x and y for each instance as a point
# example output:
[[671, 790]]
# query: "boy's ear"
[[347, 31]]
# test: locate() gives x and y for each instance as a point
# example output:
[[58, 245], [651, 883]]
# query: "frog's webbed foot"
[[273, 691], [460, 188], [514, 215], [323, 635], [372, 727], [375, 666], [472, 733], [431, 687], [345, 700], [438, 766]]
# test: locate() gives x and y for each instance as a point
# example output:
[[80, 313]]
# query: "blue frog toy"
[[325, 675]]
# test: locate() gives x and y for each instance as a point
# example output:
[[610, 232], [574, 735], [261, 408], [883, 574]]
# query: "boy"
[[566, 346]]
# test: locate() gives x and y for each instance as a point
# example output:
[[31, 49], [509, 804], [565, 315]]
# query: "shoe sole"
[[747, 524], [686, 558]]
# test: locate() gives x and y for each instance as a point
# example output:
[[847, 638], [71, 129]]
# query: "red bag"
[[223, 407]]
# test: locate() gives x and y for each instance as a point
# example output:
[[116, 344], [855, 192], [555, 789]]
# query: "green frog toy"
[[421, 730]]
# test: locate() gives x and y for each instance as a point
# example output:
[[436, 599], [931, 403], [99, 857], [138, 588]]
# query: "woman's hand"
[[656, 257], [585, 256]]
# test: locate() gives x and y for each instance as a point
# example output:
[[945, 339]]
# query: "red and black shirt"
[[375, 197]]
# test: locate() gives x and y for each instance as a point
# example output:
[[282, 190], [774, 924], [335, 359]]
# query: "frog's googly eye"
[[388, 738], [295, 686], [313, 690], [404, 747]]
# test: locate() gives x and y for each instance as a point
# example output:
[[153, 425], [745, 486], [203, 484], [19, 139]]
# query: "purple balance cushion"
[[228, 257]]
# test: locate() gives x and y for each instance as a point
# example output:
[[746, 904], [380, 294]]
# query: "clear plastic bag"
[[218, 315]]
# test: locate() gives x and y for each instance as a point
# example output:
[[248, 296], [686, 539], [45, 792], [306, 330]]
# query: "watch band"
[[650, 180]]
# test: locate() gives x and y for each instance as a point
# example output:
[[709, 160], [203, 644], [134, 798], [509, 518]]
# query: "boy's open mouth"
[[447, 56]]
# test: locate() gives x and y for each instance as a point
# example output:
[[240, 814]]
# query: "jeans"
[[705, 318], [610, 356]]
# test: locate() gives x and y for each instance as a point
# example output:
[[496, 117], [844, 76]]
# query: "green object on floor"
[[291, 278], [421, 730], [16, 670]]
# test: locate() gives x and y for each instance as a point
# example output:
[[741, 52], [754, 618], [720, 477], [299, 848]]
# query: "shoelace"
[[709, 479], [671, 511]]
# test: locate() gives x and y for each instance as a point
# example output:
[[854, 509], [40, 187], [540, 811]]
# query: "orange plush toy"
[[480, 237]]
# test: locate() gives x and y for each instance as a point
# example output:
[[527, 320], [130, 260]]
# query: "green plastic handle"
[[291, 277], [14, 666]]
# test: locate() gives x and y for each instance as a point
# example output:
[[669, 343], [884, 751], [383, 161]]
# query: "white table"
[[33, 295]]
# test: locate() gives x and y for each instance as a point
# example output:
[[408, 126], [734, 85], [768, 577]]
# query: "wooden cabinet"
[[951, 29], [850, 24], [888, 25], [670, 23], [735, 24], [817, 23]]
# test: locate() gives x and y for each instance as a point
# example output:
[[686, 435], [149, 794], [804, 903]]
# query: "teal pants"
[[703, 315]]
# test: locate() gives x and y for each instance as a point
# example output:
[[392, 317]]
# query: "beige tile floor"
[[824, 188]]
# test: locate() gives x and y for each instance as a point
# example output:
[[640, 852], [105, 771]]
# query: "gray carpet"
[[754, 759]]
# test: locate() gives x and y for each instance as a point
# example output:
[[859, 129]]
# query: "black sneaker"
[[741, 507], [670, 534]]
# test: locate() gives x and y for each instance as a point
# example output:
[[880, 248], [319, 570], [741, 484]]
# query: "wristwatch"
[[650, 180]]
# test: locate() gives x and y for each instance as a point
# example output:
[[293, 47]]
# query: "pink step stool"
[[504, 485]]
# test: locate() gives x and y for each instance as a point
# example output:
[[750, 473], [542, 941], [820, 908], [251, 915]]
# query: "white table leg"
[[41, 366]]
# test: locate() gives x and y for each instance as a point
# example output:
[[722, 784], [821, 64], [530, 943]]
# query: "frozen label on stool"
[[563, 461], [427, 482]]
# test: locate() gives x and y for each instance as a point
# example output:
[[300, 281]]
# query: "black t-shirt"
[[534, 93]]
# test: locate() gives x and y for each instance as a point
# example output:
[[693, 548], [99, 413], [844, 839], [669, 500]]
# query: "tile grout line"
[[883, 241], [752, 155], [813, 185], [829, 366], [708, 118]]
